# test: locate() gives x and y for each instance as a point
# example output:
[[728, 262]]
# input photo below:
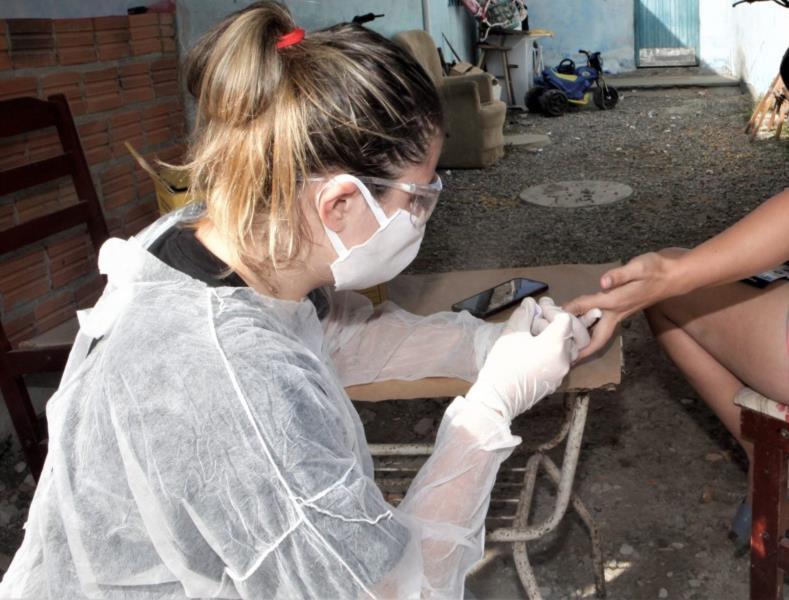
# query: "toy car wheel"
[[553, 103], [605, 98], [533, 98]]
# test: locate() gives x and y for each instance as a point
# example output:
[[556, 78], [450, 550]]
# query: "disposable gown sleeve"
[[259, 480], [450, 495], [370, 344], [426, 546]]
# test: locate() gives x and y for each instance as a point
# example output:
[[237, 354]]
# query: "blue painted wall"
[[456, 24], [605, 25], [609, 26], [197, 16], [746, 42]]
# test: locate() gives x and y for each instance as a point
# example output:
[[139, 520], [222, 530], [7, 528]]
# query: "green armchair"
[[473, 119]]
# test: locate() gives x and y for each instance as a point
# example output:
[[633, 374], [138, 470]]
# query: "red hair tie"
[[290, 38]]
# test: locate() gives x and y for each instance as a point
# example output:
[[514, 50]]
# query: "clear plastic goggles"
[[422, 199]]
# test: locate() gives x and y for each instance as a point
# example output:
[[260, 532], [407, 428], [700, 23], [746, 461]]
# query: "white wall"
[[717, 36], [762, 37]]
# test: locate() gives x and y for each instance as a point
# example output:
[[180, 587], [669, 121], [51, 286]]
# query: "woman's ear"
[[335, 204]]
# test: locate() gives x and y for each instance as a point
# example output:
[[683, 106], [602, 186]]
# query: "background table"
[[511, 56]]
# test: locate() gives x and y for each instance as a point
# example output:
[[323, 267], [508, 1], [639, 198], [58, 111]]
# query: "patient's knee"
[[657, 319]]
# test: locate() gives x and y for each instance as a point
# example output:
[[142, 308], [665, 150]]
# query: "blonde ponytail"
[[343, 99]]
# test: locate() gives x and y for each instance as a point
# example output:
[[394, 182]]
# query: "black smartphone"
[[762, 280], [502, 296]]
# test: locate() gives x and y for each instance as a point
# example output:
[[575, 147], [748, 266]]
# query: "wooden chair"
[[765, 423], [47, 352]]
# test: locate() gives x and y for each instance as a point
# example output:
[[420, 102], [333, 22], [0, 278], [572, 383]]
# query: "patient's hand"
[[642, 282], [579, 325]]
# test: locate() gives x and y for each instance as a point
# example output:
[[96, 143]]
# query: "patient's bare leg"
[[725, 337]]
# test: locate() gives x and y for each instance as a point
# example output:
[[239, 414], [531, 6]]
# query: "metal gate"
[[667, 33]]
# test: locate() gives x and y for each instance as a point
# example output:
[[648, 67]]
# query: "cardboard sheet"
[[426, 294]]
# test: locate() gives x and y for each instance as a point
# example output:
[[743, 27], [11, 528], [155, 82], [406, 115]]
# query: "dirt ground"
[[658, 471]]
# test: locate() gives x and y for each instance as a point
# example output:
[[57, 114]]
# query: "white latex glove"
[[580, 325], [522, 368]]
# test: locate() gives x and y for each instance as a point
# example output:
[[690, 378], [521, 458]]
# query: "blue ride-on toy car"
[[557, 88]]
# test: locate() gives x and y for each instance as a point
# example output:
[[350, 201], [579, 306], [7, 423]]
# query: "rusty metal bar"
[[401, 449], [591, 526], [572, 429], [525, 572], [564, 485]]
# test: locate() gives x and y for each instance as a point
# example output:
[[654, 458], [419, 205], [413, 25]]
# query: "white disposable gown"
[[205, 447]]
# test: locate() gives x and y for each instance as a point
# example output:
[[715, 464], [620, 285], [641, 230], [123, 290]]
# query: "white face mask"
[[382, 257]]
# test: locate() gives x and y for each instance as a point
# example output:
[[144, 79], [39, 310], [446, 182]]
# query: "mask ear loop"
[[334, 239], [376, 209]]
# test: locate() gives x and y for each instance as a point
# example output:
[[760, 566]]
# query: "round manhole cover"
[[574, 194]]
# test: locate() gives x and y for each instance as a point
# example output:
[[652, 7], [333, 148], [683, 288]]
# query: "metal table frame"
[[572, 428]]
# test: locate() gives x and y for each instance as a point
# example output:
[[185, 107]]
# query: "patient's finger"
[[616, 299], [590, 317], [616, 277], [580, 331], [600, 334], [582, 304]]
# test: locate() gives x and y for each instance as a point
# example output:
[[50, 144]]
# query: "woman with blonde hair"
[[201, 442]]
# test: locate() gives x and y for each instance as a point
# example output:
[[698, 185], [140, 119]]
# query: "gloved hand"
[[522, 368], [580, 325]]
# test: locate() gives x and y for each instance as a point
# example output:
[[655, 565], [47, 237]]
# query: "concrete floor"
[[673, 77], [659, 473]]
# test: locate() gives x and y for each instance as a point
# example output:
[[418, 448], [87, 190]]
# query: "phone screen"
[[500, 297]]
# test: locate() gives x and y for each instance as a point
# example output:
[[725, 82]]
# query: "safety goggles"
[[422, 199]]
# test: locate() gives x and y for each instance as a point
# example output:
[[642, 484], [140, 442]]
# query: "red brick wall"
[[119, 75]]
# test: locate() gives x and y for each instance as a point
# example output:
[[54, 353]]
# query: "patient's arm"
[[757, 242]]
